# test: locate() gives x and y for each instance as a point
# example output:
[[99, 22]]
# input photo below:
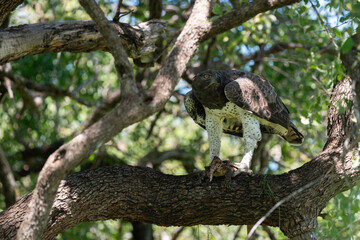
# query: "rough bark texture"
[[6, 7], [351, 61], [75, 36]]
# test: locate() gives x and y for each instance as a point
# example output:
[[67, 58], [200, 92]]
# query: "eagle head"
[[205, 80], [209, 90]]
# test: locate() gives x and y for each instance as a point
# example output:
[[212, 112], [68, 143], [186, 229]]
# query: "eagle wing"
[[255, 94], [195, 108]]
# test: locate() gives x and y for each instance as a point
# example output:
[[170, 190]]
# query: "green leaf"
[[302, 10], [341, 108], [312, 66], [228, 8], [217, 9], [343, 19], [309, 28], [348, 44], [337, 32], [355, 11]]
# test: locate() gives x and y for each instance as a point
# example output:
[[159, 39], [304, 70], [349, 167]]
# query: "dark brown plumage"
[[248, 91], [238, 103]]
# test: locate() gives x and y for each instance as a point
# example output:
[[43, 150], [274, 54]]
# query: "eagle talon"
[[219, 168], [242, 167]]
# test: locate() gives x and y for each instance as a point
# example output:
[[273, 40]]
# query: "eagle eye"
[[206, 76]]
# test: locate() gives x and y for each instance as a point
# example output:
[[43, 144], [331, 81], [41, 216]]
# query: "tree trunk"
[[142, 231]]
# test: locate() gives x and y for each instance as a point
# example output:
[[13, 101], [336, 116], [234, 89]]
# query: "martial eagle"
[[239, 103]]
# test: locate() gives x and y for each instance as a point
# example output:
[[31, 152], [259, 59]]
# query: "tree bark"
[[6, 7], [75, 36]]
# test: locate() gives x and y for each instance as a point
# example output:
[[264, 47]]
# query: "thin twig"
[[76, 65], [94, 78], [153, 123], [208, 51], [321, 85], [323, 23], [236, 235], [285, 199], [177, 233], [278, 204], [7, 180], [117, 14], [268, 231], [48, 89]]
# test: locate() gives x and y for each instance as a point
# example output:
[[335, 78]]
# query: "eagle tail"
[[293, 135]]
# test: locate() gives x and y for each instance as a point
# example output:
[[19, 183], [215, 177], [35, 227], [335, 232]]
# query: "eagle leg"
[[252, 134], [214, 129]]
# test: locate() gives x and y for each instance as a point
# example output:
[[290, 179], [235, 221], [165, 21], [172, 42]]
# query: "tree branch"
[[128, 193], [240, 15], [155, 8], [47, 89], [75, 36], [351, 61]]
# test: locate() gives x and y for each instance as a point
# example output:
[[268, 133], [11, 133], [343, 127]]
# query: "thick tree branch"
[[240, 15], [130, 110], [128, 193], [75, 36], [351, 61]]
